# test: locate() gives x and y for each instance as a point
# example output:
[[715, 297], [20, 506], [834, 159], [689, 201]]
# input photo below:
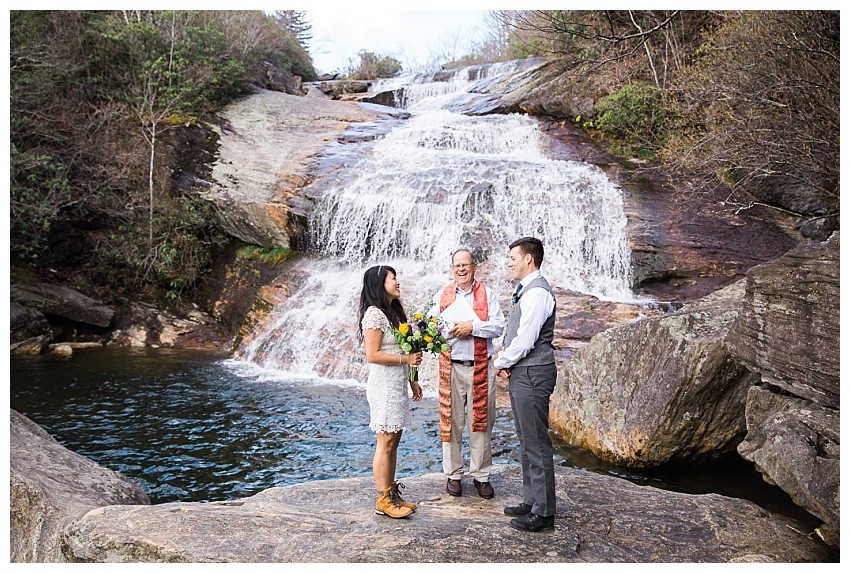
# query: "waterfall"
[[439, 181]]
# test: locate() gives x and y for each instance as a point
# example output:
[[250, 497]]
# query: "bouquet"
[[421, 334]]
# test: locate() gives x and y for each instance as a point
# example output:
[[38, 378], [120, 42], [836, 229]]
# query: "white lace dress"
[[386, 387]]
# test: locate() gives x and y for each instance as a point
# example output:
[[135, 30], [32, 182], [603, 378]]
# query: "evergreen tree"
[[295, 21]]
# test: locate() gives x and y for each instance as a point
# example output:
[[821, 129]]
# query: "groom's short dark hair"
[[530, 246]]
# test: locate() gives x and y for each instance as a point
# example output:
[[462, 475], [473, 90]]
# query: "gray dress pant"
[[530, 389]]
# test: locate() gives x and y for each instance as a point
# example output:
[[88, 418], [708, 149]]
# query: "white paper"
[[458, 311]]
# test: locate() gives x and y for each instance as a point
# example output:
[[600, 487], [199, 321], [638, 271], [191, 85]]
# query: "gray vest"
[[542, 352]]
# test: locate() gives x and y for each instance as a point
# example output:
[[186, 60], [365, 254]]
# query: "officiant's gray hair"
[[463, 250]]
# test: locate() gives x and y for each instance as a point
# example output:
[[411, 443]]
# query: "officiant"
[[467, 379]]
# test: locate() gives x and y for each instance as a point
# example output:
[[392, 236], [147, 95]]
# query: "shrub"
[[373, 66], [635, 115]]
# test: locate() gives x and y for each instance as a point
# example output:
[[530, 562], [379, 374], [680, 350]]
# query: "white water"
[[441, 181]]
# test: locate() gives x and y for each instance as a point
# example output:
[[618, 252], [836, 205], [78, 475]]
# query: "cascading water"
[[440, 181]]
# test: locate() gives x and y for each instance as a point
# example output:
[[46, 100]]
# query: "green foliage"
[[295, 22], [181, 254], [264, 255], [520, 48], [39, 191], [169, 61], [635, 116], [373, 66], [294, 58]]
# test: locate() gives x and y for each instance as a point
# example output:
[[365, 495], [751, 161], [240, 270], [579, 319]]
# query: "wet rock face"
[[686, 244]]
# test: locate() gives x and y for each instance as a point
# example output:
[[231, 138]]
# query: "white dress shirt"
[[464, 348], [537, 305]]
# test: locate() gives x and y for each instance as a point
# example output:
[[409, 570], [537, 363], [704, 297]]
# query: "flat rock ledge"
[[600, 519]]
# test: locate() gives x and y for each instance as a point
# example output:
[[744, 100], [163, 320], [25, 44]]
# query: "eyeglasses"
[[463, 265]]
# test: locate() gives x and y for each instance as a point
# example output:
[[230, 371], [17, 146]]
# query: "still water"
[[193, 426]]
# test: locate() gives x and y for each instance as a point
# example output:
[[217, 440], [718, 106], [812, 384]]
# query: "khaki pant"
[[480, 451]]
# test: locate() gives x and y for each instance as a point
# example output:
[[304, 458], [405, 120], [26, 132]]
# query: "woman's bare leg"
[[384, 462]]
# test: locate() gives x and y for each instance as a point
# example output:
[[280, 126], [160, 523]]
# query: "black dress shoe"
[[533, 522], [484, 488], [517, 510], [453, 486]]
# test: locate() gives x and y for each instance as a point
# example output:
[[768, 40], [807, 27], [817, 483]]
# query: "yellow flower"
[[418, 316], [403, 328], [428, 338]]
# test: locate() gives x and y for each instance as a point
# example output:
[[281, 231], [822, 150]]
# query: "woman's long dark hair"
[[374, 294]]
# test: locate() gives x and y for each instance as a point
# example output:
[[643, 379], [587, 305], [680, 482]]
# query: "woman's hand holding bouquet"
[[421, 334]]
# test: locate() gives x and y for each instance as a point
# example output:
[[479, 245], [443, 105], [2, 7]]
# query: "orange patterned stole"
[[479, 369]]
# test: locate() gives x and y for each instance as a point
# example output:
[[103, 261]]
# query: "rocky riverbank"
[[98, 516]]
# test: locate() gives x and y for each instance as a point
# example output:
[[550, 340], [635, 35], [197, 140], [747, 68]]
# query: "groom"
[[527, 361]]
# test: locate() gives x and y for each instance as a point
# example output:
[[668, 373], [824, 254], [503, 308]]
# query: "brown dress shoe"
[[484, 488], [453, 486]]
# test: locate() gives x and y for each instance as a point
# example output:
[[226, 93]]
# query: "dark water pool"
[[191, 426]]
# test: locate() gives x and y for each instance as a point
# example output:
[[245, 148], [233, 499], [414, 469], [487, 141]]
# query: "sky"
[[411, 36]]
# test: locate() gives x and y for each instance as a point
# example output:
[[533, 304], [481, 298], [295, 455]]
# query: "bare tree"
[[585, 42], [761, 110]]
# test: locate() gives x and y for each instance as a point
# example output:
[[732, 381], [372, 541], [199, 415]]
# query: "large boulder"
[[279, 79], [338, 89], [556, 94], [658, 391], [29, 330], [51, 487], [788, 331], [142, 325], [62, 301], [795, 444], [26, 322]]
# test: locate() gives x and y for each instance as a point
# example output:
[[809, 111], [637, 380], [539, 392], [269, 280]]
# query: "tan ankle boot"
[[388, 505], [397, 495]]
